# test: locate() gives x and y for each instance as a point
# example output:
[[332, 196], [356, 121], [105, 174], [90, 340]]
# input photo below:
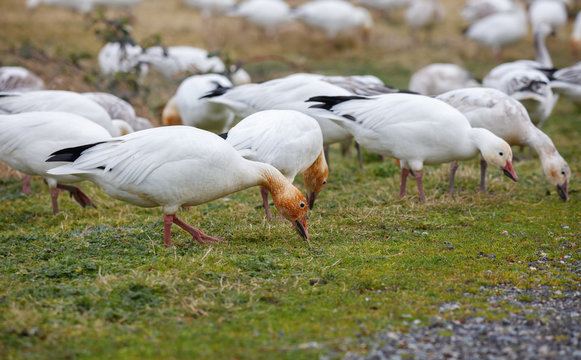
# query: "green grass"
[[98, 283]]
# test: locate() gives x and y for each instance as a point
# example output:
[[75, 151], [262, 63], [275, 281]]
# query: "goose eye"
[[501, 153], [562, 172], [302, 204]]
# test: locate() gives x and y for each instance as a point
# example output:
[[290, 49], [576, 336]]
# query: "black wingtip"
[[70, 154], [329, 101], [219, 90], [223, 135]]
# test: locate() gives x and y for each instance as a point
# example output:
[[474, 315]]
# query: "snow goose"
[[417, 130], [438, 78], [63, 101], [175, 166], [424, 14], [290, 141], [16, 78], [499, 30], [576, 35], [567, 82], [119, 109], [551, 12], [27, 139], [385, 5], [475, 10], [186, 107], [211, 7], [115, 57], [507, 118], [334, 16], [268, 14], [82, 7]]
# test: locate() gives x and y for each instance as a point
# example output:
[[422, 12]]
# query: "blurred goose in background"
[[175, 60], [80, 6], [175, 166], [119, 109], [424, 14], [567, 82], [62, 101], [211, 7], [417, 130], [17, 78], [550, 12], [27, 139], [475, 10], [334, 16], [186, 107], [115, 57], [507, 118], [576, 35], [499, 30], [268, 14], [290, 141], [436, 79], [385, 6]]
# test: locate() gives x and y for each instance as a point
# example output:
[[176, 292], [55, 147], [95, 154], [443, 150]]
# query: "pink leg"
[[77, 194], [404, 177], [167, 221], [453, 167], [419, 182], [196, 234], [264, 193], [483, 166], [54, 195], [26, 184]]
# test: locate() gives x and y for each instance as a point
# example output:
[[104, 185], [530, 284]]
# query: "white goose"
[[26, 141], [425, 14], [508, 119], [499, 30], [268, 14], [17, 78], [567, 82], [186, 107], [475, 10], [415, 129], [438, 78], [63, 101], [175, 60], [211, 7], [290, 141], [176, 166], [334, 16], [120, 109], [551, 12], [124, 58], [576, 35]]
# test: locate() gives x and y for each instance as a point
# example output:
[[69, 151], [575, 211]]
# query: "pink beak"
[[509, 171], [301, 228]]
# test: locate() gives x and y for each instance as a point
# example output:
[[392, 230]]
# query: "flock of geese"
[[227, 136]]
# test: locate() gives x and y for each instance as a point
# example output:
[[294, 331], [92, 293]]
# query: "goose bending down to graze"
[[417, 130], [334, 16], [27, 140], [268, 14], [438, 78], [115, 57], [507, 118], [499, 30], [186, 107], [424, 14], [63, 101], [290, 141], [175, 166], [17, 78], [475, 10], [120, 109], [550, 12]]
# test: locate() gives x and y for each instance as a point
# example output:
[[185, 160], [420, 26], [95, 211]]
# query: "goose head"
[[315, 178], [497, 152], [559, 174]]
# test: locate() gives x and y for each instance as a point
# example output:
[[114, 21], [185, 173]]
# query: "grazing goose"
[[475, 10], [27, 139], [415, 129], [268, 14], [119, 109], [290, 141], [175, 166], [507, 118], [438, 78], [16, 78], [63, 101], [550, 12], [186, 107], [499, 30], [334, 16]]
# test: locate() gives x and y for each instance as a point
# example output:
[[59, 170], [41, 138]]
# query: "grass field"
[[98, 283]]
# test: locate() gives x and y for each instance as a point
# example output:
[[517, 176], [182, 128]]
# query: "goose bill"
[[311, 200], [563, 191], [301, 228], [509, 171]]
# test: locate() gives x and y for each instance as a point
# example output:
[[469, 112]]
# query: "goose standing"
[[115, 57], [27, 139], [186, 107], [177, 166], [17, 78], [268, 14], [290, 141], [475, 10], [415, 129], [175, 60], [424, 14], [551, 12], [438, 78], [507, 118]]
